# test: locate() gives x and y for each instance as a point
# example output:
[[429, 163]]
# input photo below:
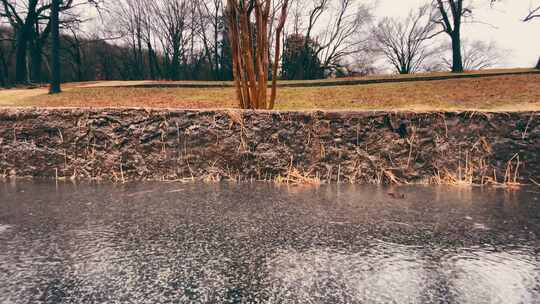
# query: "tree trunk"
[[79, 63], [538, 64], [3, 82], [151, 61], [217, 73], [175, 66], [4, 75], [140, 58], [106, 66], [157, 67], [35, 55], [21, 75], [277, 52], [457, 58], [55, 48]]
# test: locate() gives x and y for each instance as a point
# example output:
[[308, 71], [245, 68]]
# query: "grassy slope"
[[322, 81], [501, 93]]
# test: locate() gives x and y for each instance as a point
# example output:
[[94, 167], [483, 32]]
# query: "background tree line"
[[191, 40]]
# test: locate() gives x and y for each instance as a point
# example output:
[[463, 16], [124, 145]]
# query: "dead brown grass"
[[501, 93]]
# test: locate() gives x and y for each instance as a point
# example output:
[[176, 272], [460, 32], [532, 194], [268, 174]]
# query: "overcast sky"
[[522, 40]]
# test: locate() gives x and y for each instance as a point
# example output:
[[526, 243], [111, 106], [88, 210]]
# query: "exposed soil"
[[350, 147]]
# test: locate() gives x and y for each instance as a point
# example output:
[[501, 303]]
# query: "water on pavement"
[[260, 243]]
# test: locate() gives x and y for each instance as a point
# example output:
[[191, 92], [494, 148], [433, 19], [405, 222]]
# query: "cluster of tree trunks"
[[31, 29], [250, 48]]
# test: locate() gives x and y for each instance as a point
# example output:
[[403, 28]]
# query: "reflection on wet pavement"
[[258, 243], [384, 274], [480, 276]]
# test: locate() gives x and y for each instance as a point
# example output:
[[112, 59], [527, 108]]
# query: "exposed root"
[[237, 117], [391, 177]]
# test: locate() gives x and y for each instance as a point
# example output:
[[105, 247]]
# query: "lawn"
[[497, 93]]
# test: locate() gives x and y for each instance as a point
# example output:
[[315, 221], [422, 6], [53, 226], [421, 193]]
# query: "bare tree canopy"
[[193, 40], [478, 55], [405, 43], [533, 13], [337, 28]]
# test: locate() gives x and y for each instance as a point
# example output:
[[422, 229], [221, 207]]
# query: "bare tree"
[[131, 21], [533, 13], [345, 36], [210, 23], [173, 24], [340, 35], [54, 24], [23, 18], [318, 7], [477, 55], [31, 22], [251, 50], [452, 14], [405, 43], [172, 39], [138, 24]]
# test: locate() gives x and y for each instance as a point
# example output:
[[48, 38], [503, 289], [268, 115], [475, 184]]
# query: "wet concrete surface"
[[260, 243]]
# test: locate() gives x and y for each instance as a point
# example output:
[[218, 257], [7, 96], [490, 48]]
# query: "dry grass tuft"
[[295, 177], [469, 173], [511, 176]]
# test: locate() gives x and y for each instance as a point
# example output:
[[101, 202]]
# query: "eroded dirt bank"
[[356, 147]]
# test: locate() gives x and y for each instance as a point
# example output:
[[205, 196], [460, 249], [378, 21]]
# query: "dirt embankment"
[[349, 147]]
